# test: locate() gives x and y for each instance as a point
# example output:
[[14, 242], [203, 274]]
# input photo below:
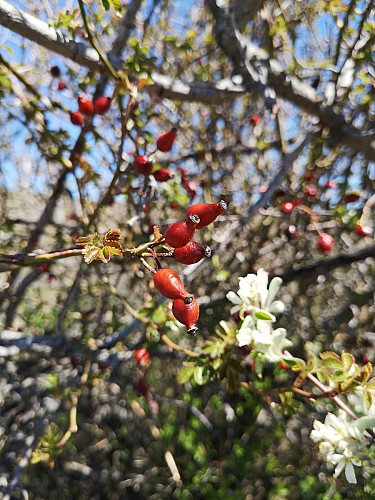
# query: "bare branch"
[[245, 11]]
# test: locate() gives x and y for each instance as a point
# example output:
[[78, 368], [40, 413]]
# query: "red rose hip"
[[287, 207], [85, 105], [207, 212], [143, 164], [141, 356], [102, 104], [169, 284], [163, 175], [179, 234], [191, 253], [77, 118], [187, 314], [325, 242], [165, 141]]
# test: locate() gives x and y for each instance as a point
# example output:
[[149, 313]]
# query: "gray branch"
[[245, 11], [253, 65]]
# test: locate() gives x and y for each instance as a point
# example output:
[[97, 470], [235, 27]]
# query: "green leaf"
[[186, 373], [347, 360], [364, 423], [265, 315], [105, 4], [331, 360], [198, 375]]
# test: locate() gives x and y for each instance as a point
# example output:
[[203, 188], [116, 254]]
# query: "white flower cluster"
[[255, 304], [340, 441]]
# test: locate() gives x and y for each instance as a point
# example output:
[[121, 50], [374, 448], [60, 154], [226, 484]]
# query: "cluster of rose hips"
[[179, 237], [85, 106], [144, 163]]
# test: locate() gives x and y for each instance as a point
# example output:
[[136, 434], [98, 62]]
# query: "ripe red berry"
[[143, 164], [363, 230], [331, 184], [186, 314], [61, 85], [254, 119], [352, 197], [284, 366], [165, 141], [141, 356], [310, 190], [191, 253], [169, 284], [309, 176], [207, 212], [55, 71], [77, 118], [287, 207], [85, 105], [325, 242], [163, 175], [179, 234], [102, 104]]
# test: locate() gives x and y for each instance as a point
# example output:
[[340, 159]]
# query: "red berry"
[[284, 366], [169, 284], [179, 234], [309, 176], [325, 242], [61, 85], [310, 190], [77, 118], [292, 232], [207, 212], [143, 164], [287, 207], [363, 230], [55, 71], [191, 253], [165, 141], [296, 202], [331, 184], [102, 104], [163, 175], [186, 314], [141, 356], [254, 119], [85, 105], [352, 197]]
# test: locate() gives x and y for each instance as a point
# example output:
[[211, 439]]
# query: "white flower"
[[270, 343], [253, 294], [244, 336], [340, 441]]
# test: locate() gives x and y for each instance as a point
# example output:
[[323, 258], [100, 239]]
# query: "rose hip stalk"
[[191, 253], [169, 284], [187, 314], [207, 212], [179, 234]]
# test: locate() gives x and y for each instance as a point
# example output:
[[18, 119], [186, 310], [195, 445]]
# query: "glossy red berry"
[[287, 207], [143, 164], [141, 356], [180, 233], [187, 314], [165, 141], [55, 71], [331, 184], [85, 105], [310, 190], [325, 242], [77, 118], [61, 85], [169, 284], [254, 119], [163, 175], [207, 212], [363, 230], [102, 104], [191, 253]]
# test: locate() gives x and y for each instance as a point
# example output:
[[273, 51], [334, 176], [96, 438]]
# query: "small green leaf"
[[186, 373], [105, 4], [347, 360], [264, 315], [198, 375]]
